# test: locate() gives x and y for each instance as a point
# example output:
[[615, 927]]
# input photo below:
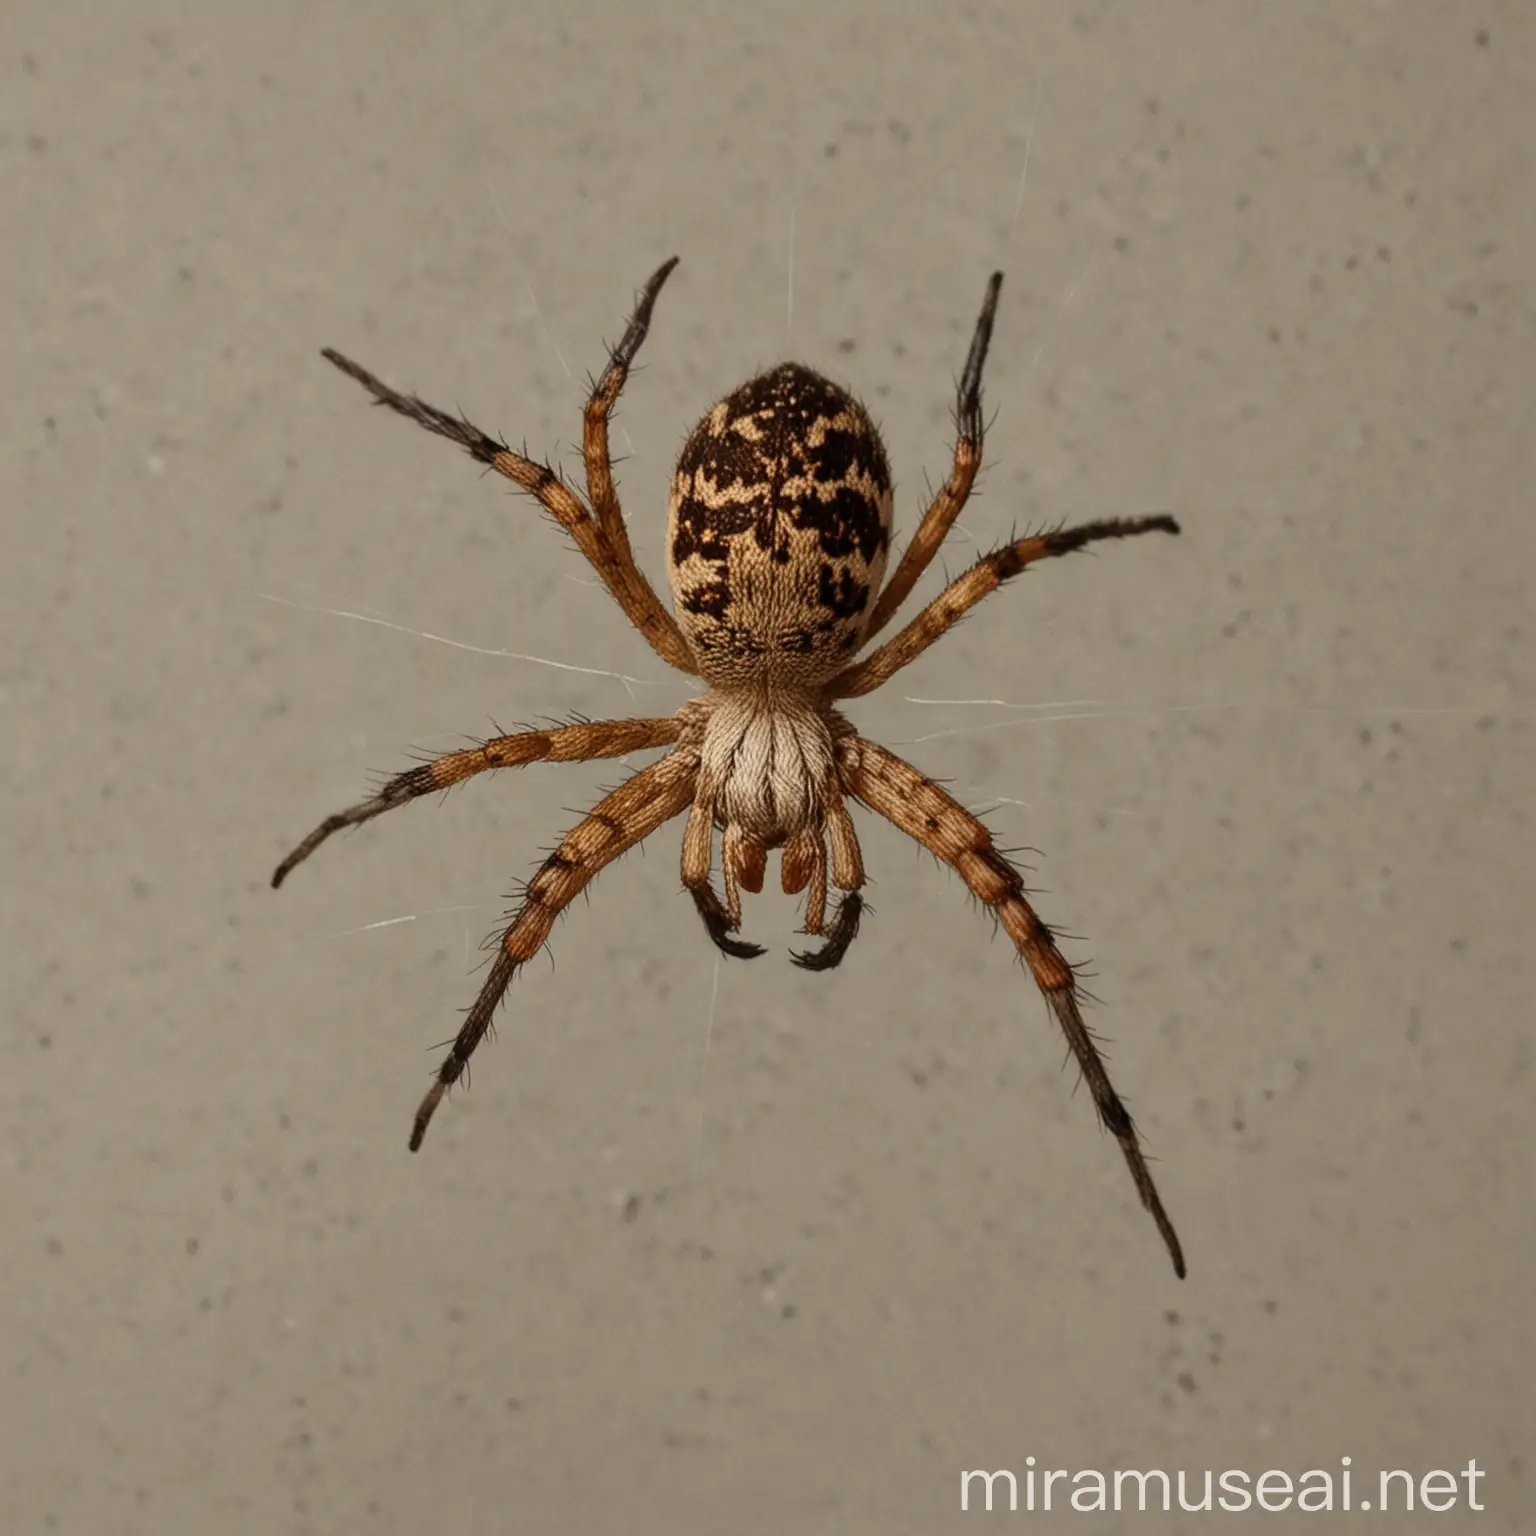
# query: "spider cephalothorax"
[[778, 531]]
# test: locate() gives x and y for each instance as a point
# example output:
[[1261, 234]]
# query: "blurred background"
[[732, 1248]]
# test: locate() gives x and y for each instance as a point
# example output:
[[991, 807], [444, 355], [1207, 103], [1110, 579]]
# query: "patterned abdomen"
[[778, 528]]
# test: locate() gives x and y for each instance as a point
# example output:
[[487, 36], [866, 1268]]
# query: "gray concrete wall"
[[1269, 270]]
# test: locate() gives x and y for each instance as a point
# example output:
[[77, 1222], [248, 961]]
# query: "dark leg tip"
[[662, 273], [291, 863], [425, 1112], [717, 924], [845, 929], [624, 354], [968, 410], [738, 949], [813, 959]]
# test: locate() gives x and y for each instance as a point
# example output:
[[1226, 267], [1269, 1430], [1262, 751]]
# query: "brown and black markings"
[[778, 529]]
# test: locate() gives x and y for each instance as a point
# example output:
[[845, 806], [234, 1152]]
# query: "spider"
[[778, 530]]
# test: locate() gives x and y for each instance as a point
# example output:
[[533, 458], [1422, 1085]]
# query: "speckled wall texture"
[[726, 1247]]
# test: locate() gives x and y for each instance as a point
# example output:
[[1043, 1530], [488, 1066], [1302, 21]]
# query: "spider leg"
[[560, 744], [896, 790], [718, 924], [848, 876], [804, 868], [601, 491], [968, 589], [617, 822], [624, 581], [720, 921], [843, 931], [953, 494]]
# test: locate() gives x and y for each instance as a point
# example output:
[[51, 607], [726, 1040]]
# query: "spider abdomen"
[[778, 529]]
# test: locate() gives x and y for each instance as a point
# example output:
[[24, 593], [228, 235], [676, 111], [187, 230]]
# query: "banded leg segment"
[[954, 493], [629, 588], [559, 744], [968, 589], [617, 822], [601, 491], [896, 790]]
